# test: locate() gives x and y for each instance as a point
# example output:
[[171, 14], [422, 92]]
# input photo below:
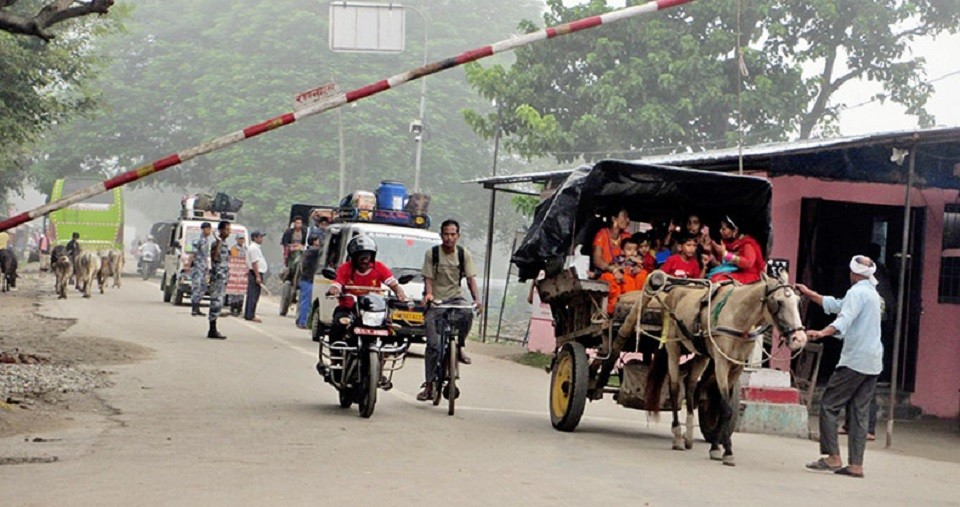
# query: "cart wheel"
[[709, 407], [568, 387], [346, 398], [178, 298], [286, 297]]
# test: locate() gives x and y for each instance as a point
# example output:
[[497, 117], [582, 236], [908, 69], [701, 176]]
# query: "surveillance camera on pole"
[[416, 127]]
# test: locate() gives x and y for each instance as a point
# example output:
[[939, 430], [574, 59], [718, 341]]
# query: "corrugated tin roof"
[[855, 158]]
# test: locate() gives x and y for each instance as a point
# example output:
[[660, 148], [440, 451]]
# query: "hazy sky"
[[942, 59]]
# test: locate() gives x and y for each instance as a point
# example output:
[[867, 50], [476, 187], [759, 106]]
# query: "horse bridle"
[[784, 330]]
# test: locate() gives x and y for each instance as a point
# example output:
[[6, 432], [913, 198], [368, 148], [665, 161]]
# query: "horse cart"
[[590, 349]]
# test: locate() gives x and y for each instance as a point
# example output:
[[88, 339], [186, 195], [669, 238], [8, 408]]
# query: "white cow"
[[86, 271], [111, 264]]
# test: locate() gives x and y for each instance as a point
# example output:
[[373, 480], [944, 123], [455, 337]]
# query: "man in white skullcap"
[[861, 361]]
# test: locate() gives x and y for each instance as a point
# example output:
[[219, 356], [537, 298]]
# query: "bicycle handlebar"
[[441, 306]]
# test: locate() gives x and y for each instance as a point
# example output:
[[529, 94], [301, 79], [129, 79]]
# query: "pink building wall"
[[938, 360]]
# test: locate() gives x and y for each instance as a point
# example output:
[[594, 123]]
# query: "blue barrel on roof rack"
[[391, 195]]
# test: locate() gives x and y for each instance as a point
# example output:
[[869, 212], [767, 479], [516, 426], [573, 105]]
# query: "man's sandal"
[[846, 471], [821, 465]]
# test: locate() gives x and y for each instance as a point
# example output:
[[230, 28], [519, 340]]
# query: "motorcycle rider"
[[149, 254], [361, 270], [293, 239]]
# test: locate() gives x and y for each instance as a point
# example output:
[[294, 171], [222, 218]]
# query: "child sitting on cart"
[[632, 265], [684, 264]]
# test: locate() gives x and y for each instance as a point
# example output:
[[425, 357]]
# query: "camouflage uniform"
[[198, 275], [219, 272]]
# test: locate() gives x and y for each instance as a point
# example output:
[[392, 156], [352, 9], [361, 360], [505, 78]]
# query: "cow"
[[86, 270], [62, 270], [8, 268], [111, 264]]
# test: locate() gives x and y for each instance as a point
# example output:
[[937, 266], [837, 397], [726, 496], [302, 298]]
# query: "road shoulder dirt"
[[49, 376]]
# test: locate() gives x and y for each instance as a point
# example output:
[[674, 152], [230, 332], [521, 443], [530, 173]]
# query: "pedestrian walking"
[[73, 251], [256, 268], [308, 268], [43, 246], [198, 273], [219, 272], [853, 382]]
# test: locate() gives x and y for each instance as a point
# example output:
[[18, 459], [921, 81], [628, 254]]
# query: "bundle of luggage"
[[219, 203], [223, 203]]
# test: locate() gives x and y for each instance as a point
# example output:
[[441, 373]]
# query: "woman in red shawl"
[[741, 256], [607, 254]]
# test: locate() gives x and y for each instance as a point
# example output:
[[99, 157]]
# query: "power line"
[[875, 99]]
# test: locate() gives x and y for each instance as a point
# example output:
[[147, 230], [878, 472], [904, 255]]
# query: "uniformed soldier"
[[198, 275], [219, 272]]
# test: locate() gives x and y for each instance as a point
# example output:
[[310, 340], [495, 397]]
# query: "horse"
[[86, 270], [8, 268], [716, 322]]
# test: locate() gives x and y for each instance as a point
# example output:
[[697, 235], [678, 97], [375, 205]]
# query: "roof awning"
[[864, 158]]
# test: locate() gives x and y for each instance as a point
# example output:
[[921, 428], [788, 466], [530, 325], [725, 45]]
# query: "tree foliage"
[[29, 19], [190, 71], [45, 85], [670, 81]]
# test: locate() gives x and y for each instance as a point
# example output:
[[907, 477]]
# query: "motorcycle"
[[370, 351], [148, 265]]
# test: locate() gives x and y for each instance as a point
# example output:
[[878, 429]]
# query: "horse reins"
[[742, 335]]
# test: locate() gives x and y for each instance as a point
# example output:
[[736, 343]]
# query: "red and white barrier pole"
[[337, 101]]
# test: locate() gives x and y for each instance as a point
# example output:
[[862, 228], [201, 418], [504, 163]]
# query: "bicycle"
[[447, 368]]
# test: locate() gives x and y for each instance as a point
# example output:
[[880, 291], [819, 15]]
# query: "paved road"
[[248, 421]]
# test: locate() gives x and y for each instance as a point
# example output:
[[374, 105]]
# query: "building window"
[[949, 291]]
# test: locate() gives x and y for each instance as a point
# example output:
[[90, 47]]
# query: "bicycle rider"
[[444, 268]]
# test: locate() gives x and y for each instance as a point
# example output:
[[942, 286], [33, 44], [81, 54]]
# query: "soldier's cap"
[[257, 234], [205, 225]]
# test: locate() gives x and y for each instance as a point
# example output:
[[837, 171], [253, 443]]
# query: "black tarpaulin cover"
[[650, 193]]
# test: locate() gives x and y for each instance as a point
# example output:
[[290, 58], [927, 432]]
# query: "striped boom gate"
[[337, 101]]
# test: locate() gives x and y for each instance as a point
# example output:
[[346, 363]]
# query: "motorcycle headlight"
[[373, 319]]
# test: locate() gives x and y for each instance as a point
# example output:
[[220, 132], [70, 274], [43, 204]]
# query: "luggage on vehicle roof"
[[226, 203]]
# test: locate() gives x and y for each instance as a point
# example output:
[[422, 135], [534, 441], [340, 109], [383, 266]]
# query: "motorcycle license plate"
[[371, 332], [407, 316]]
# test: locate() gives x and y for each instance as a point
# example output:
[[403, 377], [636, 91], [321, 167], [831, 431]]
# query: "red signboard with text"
[[237, 281]]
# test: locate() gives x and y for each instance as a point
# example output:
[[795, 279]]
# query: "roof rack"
[[382, 216], [199, 214]]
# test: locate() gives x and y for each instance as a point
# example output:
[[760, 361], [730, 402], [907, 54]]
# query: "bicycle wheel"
[[437, 381], [451, 393]]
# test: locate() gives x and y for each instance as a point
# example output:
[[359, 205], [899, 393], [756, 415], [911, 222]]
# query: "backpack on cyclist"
[[436, 262]]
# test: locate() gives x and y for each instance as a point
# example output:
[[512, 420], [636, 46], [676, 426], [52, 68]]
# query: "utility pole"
[[490, 218], [343, 162], [417, 126]]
